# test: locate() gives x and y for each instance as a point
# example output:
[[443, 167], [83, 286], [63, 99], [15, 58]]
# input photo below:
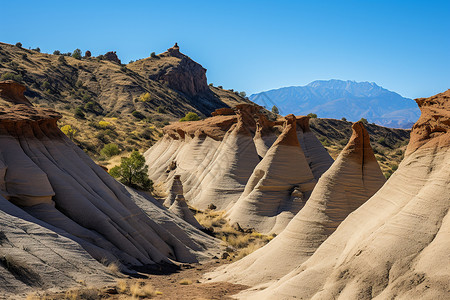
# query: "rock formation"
[[397, 244], [186, 76], [112, 56], [352, 179], [12, 91], [176, 188], [50, 179], [181, 209], [265, 204]]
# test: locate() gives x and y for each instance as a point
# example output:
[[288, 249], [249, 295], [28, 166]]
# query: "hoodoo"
[[395, 245], [352, 179], [56, 186], [266, 203]]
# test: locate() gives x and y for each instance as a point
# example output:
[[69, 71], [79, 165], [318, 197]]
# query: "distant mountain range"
[[337, 99]]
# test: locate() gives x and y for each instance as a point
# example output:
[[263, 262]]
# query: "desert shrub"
[[275, 110], [19, 44], [132, 171], [104, 124], [394, 167], [220, 87], [160, 110], [344, 119], [24, 56], [37, 49], [145, 97], [45, 85], [138, 115], [381, 141], [110, 150], [61, 59], [11, 76], [56, 52], [312, 115], [69, 131], [153, 54], [77, 54], [79, 114], [364, 121], [243, 94], [190, 116], [211, 84]]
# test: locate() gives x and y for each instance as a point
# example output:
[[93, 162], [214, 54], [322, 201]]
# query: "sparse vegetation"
[[190, 116], [364, 121], [110, 150], [69, 131], [77, 54], [312, 115], [132, 171]]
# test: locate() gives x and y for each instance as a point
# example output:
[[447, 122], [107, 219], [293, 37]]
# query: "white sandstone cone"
[[225, 177], [353, 178], [317, 156], [266, 204], [397, 244], [181, 209], [176, 188]]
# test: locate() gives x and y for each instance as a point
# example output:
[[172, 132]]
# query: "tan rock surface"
[[397, 244], [353, 178]]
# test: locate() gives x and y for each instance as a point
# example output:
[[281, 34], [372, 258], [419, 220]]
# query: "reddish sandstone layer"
[[12, 91]]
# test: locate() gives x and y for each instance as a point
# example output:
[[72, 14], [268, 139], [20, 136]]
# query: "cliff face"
[[55, 185], [185, 75]]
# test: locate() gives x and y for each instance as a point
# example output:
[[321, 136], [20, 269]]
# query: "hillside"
[[337, 99], [131, 101]]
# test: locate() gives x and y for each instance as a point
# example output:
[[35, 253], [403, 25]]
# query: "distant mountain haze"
[[337, 99]]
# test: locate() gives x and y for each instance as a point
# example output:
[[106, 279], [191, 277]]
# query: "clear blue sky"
[[254, 46]]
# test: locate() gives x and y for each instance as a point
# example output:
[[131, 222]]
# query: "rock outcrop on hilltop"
[[352, 179], [187, 76], [395, 244], [266, 203], [55, 189]]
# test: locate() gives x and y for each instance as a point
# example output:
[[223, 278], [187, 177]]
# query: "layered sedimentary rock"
[[267, 203], [352, 179], [52, 180], [176, 188], [181, 209], [397, 244]]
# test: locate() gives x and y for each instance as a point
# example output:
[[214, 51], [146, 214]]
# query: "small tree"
[[132, 171], [69, 131], [56, 52], [153, 54], [37, 49], [19, 44], [344, 119], [110, 150], [275, 110], [312, 115], [79, 114], [190, 116], [145, 97], [243, 94], [364, 121], [76, 54]]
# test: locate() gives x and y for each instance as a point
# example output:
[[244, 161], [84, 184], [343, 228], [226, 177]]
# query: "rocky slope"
[[136, 98], [53, 196], [395, 244]]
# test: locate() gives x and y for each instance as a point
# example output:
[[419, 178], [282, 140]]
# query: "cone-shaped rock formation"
[[397, 244], [353, 178], [267, 204], [181, 209]]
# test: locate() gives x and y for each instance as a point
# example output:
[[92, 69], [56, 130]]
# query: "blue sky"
[[254, 46]]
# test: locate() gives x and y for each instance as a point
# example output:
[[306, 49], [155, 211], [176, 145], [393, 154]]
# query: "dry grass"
[[136, 289], [239, 244], [185, 282]]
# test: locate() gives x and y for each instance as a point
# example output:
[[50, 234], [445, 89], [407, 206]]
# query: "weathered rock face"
[[56, 186], [352, 179], [185, 76], [265, 204], [180, 208], [112, 56], [12, 92], [395, 244], [176, 188]]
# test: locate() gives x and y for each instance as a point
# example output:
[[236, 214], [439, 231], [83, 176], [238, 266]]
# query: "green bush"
[[243, 94], [312, 115], [11, 76], [138, 115], [56, 52], [132, 171], [19, 44], [79, 114], [344, 119], [275, 110], [364, 121], [153, 54], [110, 150], [190, 116], [77, 54]]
